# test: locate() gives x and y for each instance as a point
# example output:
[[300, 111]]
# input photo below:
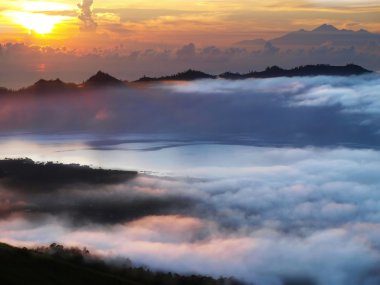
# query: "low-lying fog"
[[265, 180]]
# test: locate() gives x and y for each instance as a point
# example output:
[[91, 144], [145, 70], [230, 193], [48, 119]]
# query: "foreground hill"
[[73, 266], [22, 266]]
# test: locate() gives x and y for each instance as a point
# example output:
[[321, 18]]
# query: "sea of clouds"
[[285, 189]]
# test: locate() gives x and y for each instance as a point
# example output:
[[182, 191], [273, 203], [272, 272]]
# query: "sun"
[[36, 22], [35, 17]]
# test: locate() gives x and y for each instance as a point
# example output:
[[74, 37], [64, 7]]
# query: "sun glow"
[[38, 16], [36, 22], [46, 6]]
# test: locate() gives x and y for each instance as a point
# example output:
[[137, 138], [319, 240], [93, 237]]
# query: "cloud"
[[187, 51], [138, 15], [274, 181], [353, 99], [270, 223], [86, 15], [345, 3], [270, 48], [21, 62]]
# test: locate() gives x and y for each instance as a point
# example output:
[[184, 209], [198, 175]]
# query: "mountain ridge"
[[105, 80], [326, 28], [318, 36], [102, 79]]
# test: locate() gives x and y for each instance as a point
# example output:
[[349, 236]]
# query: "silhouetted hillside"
[[72, 266], [274, 71], [188, 75], [27, 174], [307, 70], [101, 79], [43, 86], [104, 80], [3, 90]]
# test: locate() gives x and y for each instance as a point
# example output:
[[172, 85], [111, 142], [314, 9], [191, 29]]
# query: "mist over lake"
[[273, 181]]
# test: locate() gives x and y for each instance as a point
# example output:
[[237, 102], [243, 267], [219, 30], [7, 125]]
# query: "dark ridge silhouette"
[[188, 75], [269, 72], [25, 174], [307, 70], [43, 86], [232, 76], [102, 79], [3, 90], [146, 79], [56, 264]]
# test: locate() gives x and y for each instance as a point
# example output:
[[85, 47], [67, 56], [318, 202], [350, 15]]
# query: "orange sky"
[[142, 23]]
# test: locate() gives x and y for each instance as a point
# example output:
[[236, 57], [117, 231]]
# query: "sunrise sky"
[[110, 23], [273, 181], [45, 39]]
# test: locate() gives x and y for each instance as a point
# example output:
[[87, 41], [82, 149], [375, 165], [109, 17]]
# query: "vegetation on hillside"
[[56, 264]]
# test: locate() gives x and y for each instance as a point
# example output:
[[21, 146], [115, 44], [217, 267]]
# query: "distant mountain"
[[325, 28], [188, 75], [321, 35], [102, 79], [47, 86], [307, 70], [327, 34]]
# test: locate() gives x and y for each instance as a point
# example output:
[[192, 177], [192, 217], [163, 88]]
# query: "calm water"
[[143, 153]]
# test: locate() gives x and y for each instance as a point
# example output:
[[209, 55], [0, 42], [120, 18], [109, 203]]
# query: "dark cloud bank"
[[296, 216]]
